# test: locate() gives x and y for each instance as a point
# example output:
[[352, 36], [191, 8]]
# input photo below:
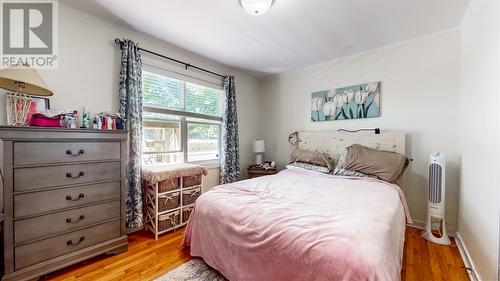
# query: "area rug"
[[193, 270]]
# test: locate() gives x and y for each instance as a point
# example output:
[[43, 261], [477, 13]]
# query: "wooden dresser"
[[63, 197]]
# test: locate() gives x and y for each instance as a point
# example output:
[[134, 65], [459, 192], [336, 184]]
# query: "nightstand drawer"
[[256, 172], [30, 153], [41, 177], [53, 200]]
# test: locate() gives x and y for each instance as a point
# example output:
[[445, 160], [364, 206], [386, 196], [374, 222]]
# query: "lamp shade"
[[23, 79], [258, 146]]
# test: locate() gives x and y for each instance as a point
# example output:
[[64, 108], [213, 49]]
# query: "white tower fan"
[[436, 200]]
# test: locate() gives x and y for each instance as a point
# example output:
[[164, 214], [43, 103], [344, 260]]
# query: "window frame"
[[219, 139], [183, 118], [151, 124]]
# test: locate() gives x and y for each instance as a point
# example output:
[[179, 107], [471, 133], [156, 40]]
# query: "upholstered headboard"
[[335, 142]]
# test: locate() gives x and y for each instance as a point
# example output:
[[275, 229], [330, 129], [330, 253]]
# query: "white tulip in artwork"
[[344, 101], [338, 100], [360, 97], [332, 93], [371, 87], [317, 103], [350, 95], [335, 100], [329, 108]]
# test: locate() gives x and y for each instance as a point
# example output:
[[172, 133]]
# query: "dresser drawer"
[[52, 200], [39, 227], [57, 246], [40, 177], [29, 153]]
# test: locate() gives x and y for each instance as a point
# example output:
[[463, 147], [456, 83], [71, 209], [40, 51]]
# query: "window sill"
[[209, 164]]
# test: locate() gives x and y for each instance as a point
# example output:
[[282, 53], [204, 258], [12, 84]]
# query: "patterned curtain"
[[131, 109], [230, 154]]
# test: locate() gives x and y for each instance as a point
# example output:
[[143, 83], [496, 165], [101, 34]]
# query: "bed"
[[303, 225]]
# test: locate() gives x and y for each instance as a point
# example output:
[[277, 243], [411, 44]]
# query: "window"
[[203, 140], [181, 120]]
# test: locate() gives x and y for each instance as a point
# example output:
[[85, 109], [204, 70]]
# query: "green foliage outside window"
[[202, 134], [203, 131], [162, 91], [175, 94]]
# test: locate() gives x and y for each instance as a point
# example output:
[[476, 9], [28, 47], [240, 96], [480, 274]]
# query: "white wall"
[[420, 88], [479, 136], [88, 72]]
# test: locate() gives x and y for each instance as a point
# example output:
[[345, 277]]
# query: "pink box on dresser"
[[41, 120]]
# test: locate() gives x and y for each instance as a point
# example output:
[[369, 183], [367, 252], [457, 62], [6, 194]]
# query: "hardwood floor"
[[148, 259], [423, 260]]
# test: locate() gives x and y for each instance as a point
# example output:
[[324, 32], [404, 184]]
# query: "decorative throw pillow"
[[312, 167], [385, 165], [340, 169], [311, 157]]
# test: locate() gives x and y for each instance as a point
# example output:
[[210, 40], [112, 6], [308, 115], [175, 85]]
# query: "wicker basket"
[[186, 212], [191, 180], [169, 201], [168, 221], [147, 186], [168, 185], [190, 196]]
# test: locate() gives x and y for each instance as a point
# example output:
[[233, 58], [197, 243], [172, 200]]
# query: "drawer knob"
[[80, 196], [69, 220], [69, 152], [70, 242], [80, 174]]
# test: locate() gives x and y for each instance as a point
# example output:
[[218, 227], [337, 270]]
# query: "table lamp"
[[259, 148], [24, 82]]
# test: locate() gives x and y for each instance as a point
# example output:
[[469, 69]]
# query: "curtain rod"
[[186, 65]]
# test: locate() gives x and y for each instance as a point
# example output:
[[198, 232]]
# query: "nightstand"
[[254, 172]]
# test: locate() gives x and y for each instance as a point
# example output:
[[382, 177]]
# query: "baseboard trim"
[[462, 248], [132, 230]]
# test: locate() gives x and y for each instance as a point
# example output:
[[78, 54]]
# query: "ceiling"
[[293, 34]]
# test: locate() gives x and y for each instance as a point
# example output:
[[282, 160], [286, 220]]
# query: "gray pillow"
[[385, 165], [340, 169], [311, 157]]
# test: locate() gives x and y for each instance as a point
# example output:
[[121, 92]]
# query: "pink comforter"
[[301, 226]]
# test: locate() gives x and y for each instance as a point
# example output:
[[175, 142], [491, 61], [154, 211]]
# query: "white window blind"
[[181, 119]]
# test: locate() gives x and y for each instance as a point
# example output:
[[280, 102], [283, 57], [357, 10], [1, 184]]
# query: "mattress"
[[299, 225]]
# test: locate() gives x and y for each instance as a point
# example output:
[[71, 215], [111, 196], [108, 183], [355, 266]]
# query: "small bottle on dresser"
[[74, 120], [86, 117]]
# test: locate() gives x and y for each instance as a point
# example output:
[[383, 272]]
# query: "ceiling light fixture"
[[256, 7]]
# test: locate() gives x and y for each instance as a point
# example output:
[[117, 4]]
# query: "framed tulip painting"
[[353, 102]]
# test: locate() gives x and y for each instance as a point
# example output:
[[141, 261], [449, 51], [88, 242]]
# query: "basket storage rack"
[[168, 205]]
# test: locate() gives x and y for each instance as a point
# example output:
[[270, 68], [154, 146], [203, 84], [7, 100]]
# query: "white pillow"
[[341, 171], [311, 167]]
